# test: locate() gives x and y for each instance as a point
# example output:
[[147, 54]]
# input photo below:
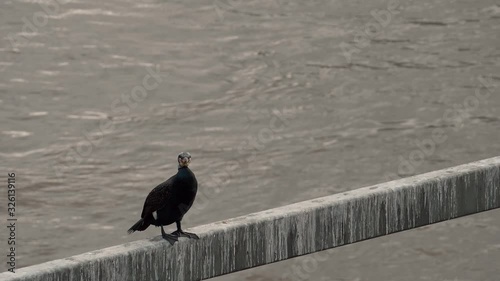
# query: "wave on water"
[[89, 115], [17, 134]]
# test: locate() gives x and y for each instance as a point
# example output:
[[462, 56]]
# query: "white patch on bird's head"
[[184, 159]]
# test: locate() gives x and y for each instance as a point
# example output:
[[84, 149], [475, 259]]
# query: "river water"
[[277, 101]]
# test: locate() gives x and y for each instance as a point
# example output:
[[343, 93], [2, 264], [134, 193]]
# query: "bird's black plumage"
[[169, 202]]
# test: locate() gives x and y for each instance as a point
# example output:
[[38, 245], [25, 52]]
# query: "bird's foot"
[[170, 238], [180, 233]]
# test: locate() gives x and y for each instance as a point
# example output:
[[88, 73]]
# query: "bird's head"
[[184, 159]]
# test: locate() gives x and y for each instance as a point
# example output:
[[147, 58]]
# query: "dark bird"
[[169, 202]]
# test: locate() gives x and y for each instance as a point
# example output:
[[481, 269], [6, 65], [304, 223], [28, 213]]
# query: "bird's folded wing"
[[157, 198]]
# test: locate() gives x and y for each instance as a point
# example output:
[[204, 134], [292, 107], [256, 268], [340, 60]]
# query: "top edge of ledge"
[[419, 179]]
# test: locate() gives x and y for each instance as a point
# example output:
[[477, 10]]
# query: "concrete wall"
[[289, 231]]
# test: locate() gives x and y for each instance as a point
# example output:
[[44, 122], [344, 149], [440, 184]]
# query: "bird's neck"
[[184, 174]]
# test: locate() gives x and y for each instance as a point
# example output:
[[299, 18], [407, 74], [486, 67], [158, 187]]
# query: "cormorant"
[[169, 202]]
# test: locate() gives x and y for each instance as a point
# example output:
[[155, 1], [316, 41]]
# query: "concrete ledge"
[[288, 231]]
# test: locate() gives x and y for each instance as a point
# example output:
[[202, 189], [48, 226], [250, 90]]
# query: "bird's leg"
[[180, 233], [169, 237]]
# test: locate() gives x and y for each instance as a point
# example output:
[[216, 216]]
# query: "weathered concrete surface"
[[289, 231]]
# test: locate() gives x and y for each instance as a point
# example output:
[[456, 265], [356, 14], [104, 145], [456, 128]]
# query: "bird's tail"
[[139, 226]]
